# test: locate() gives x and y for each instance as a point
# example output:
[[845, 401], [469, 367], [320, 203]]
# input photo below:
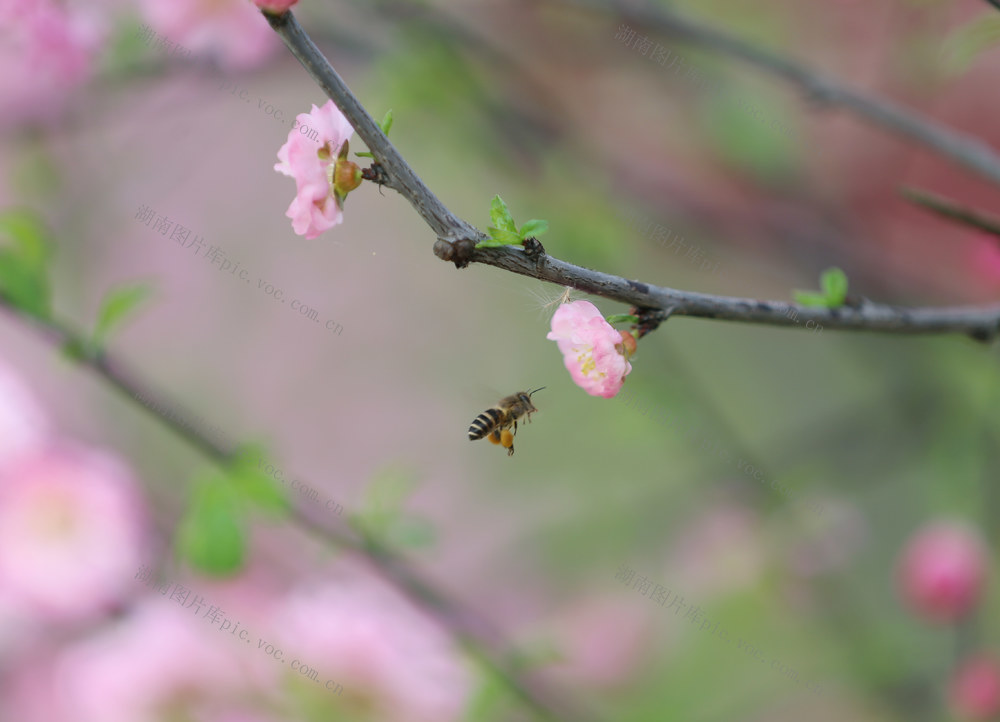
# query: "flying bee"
[[497, 421]]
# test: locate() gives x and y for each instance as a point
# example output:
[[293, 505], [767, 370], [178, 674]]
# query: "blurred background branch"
[[954, 211], [963, 149], [478, 636]]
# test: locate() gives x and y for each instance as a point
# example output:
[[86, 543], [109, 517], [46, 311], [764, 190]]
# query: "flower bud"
[[942, 571], [345, 176], [629, 344]]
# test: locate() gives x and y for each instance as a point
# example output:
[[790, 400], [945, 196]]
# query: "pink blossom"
[[163, 661], [391, 663], [23, 425], [310, 162], [231, 31], [975, 689], [590, 348], [46, 51], [719, 551], [942, 571], [600, 641], [985, 259], [275, 7], [71, 532]]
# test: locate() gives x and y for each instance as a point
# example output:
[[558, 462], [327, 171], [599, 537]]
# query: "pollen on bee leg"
[[494, 438], [506, 438]]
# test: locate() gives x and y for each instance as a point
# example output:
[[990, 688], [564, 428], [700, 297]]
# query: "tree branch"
[[963, 149], [457, 240], [470, 630], [951, 210]]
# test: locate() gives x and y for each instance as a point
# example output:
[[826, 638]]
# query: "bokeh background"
[[768, 479]]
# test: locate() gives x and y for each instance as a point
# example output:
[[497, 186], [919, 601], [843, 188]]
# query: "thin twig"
[[963, 149], [457, 239], [952, 210], [470, 630]]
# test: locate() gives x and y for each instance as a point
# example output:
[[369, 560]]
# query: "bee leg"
[[515, 426], [507, 441]]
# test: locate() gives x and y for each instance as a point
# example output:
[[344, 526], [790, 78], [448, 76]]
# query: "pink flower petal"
[[314, 209], [589, 345]]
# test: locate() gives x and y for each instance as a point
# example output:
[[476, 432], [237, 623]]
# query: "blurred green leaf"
[[833, 281], [809, 298], [254, 484], [965, 44], [412, 533], [118, 303], [75, 350], [489, 699], [24, 255], [534, 227], [211, 537], [126, 48], [750, 130], [381, 506], [501, 217]]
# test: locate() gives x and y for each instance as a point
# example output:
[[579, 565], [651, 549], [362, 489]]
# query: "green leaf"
[[623, 318], [76, 350], [211, 537], [385, 495], [117, 304], [965, 44], [386, 123], [491, 243], [381, 514], [255, 485], [412, 533], [809, 298], [24, 255], [501, 217], [534, 227], [504, 237], [833, 281]]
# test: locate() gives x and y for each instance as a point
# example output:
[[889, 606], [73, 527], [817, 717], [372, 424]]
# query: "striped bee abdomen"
[[484, 423]]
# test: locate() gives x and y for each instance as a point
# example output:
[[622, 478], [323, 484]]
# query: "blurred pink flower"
[[601, 641], [719, 551], [23, 425], [231, 31], [71, 532], [275, 7], [942, 571], [164, 661], [309, 161], [986, 258], [589, 345], [390, 660], [46, 51], [975, 689]]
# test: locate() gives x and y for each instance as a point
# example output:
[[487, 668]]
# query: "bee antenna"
[[536, 390]]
